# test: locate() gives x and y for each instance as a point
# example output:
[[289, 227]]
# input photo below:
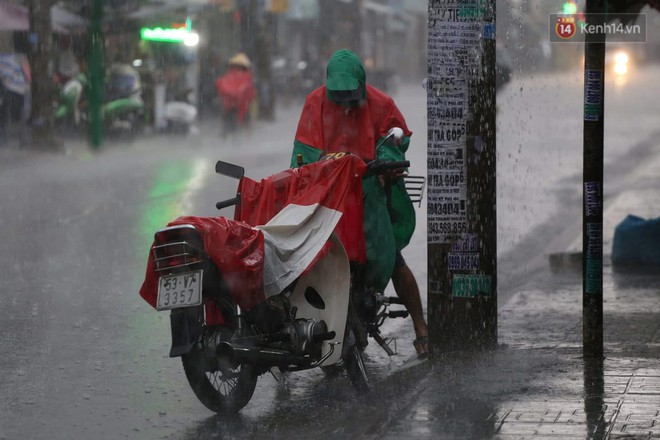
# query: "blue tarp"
[[13, 72], [637, 240]]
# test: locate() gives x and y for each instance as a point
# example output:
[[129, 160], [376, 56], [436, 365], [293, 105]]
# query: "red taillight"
[[176, 233]]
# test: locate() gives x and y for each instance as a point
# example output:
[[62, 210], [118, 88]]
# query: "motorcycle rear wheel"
[[223, 390]]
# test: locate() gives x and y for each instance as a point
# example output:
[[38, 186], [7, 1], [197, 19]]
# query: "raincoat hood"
[[344, 73]]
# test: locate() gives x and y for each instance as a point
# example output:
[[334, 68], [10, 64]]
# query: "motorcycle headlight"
[[621, 60]]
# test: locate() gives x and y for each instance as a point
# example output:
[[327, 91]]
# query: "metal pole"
[[96, 76], [461, 163], [264, 50], [592, 207]]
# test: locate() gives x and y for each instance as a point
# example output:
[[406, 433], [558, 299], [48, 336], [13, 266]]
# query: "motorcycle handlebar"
[[378, 167], [396, 164], [398, 314], [229, 202]]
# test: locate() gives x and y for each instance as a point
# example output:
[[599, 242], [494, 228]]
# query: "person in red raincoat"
[[236, 91], [349, 115]]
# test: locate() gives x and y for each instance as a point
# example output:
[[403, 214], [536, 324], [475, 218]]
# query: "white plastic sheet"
[[292, 239]]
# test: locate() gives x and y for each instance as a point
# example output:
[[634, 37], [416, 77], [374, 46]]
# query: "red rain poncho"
[[236, 91], [333, 128], [237, 248]]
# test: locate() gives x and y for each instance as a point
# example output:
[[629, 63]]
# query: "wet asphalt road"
[[82, 356]]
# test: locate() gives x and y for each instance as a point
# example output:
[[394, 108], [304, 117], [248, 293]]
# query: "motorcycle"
[[278, 288], [122, 109], [180, 114], [236, 95]]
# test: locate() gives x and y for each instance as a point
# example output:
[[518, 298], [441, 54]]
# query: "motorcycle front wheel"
[[224, 389], [356, 371]]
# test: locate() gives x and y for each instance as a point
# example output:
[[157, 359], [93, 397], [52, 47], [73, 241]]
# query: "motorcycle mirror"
[[229, 169], [395, 133]]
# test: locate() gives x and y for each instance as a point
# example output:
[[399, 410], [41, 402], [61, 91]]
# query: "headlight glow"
[[620, 69], [191, 39], [621, 58]]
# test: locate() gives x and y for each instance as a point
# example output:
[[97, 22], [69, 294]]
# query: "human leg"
[[407, 290]]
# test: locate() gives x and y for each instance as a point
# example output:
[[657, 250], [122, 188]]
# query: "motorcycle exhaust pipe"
[[237, 354]]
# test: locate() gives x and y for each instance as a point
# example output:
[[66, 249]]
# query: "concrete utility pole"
[[264, 50], [592, 207], [256, 34], [249, 27], [462, 266]]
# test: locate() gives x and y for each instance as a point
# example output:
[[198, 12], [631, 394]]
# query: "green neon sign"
[[179, 34], [168, 35]]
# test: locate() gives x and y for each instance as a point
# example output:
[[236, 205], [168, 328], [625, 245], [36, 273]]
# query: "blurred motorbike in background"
[[237, 93], [296, 80], [180, 113], [122, 109]]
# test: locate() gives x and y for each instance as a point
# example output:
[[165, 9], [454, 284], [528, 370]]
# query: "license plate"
[[182, 290]]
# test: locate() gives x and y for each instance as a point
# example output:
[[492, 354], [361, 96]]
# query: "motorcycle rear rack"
[[183, 251], [415, 187]]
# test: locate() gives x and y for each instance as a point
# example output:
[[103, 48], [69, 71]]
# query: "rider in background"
[[349, 115], [236, 91]]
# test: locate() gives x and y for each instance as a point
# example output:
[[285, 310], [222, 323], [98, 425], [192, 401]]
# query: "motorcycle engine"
[[303, 333]]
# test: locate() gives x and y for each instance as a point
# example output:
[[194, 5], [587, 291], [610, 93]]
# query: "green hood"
[[345, 72]]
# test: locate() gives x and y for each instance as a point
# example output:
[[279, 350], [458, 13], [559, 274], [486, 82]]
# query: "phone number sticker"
[[471, 286], [446, 231], [463, 261]]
